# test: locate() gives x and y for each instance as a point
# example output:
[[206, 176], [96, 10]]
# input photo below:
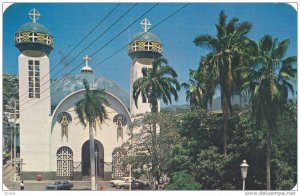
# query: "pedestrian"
[[22, 185]]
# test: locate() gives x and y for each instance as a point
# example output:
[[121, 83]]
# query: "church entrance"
[[99, 159]]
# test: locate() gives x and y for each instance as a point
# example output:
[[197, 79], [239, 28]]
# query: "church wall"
[[78, 134]]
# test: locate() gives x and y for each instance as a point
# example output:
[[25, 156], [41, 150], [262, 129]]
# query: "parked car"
[[60, 185], [139, 184], [135, 184], [5, 159], [114, 183]]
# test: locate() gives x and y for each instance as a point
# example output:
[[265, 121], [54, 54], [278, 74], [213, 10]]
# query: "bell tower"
[[35, 43], [143, 49]]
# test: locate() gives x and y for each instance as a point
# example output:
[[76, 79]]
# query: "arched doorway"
[[85, 159]]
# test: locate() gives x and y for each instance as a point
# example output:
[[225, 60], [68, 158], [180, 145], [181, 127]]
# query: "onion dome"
[[34, 36], [145, 44], [86, 68]]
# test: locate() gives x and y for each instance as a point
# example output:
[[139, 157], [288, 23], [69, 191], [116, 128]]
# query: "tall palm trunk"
[[268, 155], [92, 155], [226, 114]]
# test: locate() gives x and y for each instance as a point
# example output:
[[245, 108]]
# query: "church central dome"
[[71, 83]]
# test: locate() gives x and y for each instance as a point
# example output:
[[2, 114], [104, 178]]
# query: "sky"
[[69, 23]]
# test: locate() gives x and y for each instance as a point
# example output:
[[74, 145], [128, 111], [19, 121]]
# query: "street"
[[41, 185], [32, 185]]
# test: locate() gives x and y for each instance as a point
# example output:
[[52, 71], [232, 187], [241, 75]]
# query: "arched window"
[[117, 168], [64, 157]]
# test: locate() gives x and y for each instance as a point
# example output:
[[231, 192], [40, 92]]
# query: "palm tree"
[[158, 82], [91, 110], [269, 81], [196, 90], [228, 50]]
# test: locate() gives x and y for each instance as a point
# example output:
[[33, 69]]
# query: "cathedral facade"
[[53, 143]]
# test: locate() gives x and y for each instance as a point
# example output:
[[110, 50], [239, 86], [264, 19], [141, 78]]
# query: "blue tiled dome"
[[33, 27], [144, 36], [71, 83]]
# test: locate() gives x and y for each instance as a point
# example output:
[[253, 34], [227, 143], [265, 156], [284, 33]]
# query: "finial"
[[34, 15], [145, 24], [86, 58], [86, 68]]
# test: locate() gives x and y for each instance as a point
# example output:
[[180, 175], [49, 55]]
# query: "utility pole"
[[14, 102], [15, 138], [130, 180]]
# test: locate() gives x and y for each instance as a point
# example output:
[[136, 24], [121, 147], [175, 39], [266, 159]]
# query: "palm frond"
[[266, 43], [206, 41]]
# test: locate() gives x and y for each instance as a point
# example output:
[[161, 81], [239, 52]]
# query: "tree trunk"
[[155, 154], [226, 114], [92, 156], [268, 156], [155, 164]]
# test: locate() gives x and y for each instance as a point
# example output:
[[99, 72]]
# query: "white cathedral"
[[53, 143]]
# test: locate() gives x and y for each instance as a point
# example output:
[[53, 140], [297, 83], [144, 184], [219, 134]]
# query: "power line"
[[97, 50], [169, 16], [125, 46], [89, 33]]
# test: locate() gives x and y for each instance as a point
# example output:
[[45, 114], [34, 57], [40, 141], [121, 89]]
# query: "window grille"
[[64, 158], [34, 78]]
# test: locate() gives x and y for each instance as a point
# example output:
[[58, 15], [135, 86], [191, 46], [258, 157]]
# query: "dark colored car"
[[5, 159], [139, 184], [60, 185]]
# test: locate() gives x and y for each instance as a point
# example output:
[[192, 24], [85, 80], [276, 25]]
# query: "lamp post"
[[244, 168]]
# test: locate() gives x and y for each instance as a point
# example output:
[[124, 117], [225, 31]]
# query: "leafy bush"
[[183, 181]]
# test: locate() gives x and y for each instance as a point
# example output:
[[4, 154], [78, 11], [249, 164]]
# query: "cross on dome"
[[86, 58], [34, 15], [86, 68], [145, 24]]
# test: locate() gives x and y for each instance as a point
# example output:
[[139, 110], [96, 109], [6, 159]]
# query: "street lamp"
[[244, 168], [96, 156]]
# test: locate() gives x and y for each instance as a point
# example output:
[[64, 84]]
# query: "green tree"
[[228, 50], [158, 83], [196, 91], [270, 80], [91, 111], [199, 150], [151, 150], [10, 89]]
